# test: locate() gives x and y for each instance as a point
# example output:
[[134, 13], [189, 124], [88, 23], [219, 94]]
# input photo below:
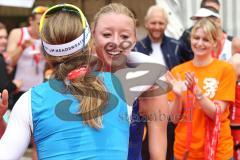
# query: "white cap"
[[204, 12]]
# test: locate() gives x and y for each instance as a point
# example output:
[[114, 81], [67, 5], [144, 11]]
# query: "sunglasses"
[[64, 8], [69, 47]]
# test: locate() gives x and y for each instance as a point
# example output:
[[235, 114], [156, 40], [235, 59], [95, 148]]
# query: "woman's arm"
[[16, 138], [176, 105], [207, 105], [157, 111], [176, 108]]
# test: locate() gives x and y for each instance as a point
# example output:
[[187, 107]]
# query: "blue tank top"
[[60, 134]]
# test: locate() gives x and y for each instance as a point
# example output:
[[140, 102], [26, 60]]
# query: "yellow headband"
[[58, 7], [70, 47]]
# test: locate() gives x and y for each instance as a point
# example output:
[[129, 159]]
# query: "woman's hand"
[[177, 84], [192, 83]]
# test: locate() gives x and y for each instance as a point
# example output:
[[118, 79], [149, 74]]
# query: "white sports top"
[[226, 52], [28, 70]]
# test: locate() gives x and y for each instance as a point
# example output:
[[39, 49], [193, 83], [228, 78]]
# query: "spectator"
[[24, 49], [226, 47], [203, 89], [185, 51], [213, 5], [5, 81], [156, 44]]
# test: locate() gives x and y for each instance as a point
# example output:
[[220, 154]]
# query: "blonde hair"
[[156, 8], [63, 27], [209, 27], [117, 8]]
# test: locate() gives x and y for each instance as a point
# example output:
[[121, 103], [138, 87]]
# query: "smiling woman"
[[114, 35], [203, 90], [204, 39], [113, 42]]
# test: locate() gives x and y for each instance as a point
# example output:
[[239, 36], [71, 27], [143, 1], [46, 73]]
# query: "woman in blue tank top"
[[114, 26]]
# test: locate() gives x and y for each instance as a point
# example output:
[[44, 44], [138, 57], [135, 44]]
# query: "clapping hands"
[[177, 83], [190, 83]]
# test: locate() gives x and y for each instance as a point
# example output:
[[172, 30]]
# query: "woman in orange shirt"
[[203, 88]]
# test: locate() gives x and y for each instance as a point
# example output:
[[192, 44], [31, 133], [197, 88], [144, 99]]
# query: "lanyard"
[[211, 138], [212, 134]]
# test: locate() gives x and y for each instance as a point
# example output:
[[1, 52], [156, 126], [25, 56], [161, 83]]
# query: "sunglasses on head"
[[64, 8], [69, 47]]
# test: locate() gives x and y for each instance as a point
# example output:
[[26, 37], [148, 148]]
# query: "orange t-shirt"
[[217, 81]]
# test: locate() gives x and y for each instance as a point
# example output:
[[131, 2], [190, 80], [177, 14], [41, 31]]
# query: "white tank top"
[[226, 53], [30, 65]]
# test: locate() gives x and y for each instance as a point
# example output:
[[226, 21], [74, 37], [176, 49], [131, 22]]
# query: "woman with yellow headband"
[[80, 113]]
